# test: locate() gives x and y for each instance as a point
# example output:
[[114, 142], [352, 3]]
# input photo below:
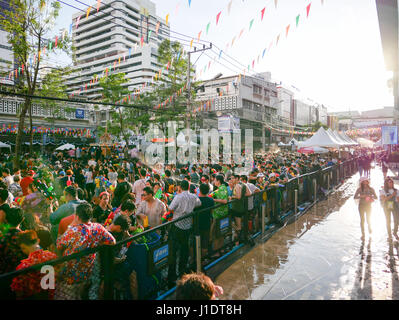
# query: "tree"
[[28, 26], [113, 90]]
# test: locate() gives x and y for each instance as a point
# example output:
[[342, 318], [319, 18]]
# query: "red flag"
[[263, 13], [308, 9], [218, 17], [98, 4], [288, 28], [56, 40]]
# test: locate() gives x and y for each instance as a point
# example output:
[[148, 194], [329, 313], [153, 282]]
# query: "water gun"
[[106, 182], [19, 200], [48, 192], [158, 195], [168, 216]]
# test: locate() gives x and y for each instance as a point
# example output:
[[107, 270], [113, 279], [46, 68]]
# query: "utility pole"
[[189, 82]]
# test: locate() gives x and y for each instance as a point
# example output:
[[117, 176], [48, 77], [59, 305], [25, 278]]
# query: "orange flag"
[[287, 29]]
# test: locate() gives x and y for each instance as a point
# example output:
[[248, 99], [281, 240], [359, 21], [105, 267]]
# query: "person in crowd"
[[169, 182], [15, 187], [103, 209], [388, 196], [139, 186], [205, 217], [80, 235], [366, 196], [65, 210], [197, 286], [26, 181], [7, 178], [121, 190], [150, 210], [90, 185], [182, 204], [28, 286]]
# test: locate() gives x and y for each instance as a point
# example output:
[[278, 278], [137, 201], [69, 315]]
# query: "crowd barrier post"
[[107, 258], [328, 180], [263, 219], [296, 200], [315, 190], [197, 236]]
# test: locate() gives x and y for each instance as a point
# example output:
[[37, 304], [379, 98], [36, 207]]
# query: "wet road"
[[321, 256]]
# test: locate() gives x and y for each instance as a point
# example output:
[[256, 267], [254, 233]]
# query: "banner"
[[389, 135]]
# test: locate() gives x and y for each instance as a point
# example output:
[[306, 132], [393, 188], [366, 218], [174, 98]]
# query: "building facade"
[[131, 36], [252, 100], [6, 53]]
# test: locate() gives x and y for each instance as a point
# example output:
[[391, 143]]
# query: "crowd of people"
[[72, 201]]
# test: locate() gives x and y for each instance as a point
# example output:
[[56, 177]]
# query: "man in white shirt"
[[7, 178], [139, 186], [182, 204], [92, 162]]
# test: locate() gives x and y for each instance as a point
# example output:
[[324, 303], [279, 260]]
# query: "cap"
[[362, 179], [260, 175], [31, 172]]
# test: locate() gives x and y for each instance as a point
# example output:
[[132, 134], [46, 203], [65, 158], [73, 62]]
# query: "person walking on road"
[[366, 196], [388, 196]]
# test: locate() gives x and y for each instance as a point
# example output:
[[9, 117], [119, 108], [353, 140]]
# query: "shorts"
[[237, 214]]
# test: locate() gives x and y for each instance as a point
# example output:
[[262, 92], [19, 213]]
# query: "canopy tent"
[[313, 150], [320, 139], [4, 145], [346, 138], [67, 146], [294, 142], [282, 144], [378, 143], [344, 143], [365, 142]]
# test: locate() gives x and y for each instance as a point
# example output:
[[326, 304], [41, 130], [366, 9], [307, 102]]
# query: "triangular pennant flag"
[[142, 41], [275, 3], [218, 17], [207, 27], [77, 22], [119, 62], [98, 4], [56, 40], [263, 13], [88, 12], [253, 64], [199, 35], [229, 6], [189, 3], [308, 9], [241, 32], [191, 43], [157, 27], [232, 41], [167, 19], [149, 35], [287, 29], [263, 54], [70, 28], [250, 24], [278, 38], [297, 19], [220, 54]]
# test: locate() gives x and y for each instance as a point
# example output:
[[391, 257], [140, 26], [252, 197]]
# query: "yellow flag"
[[167, 19], [191, 43], [88, 12]]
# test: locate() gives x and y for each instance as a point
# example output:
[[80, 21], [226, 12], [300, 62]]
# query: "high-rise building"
[[6, 53], [123, 36]]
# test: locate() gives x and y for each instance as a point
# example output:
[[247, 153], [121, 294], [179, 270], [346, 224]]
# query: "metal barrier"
[[149, 269]]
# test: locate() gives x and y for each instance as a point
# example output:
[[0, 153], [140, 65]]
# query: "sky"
[[334, 56]]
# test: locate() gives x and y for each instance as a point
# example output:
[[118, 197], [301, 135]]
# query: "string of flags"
[[363, 132], [294, 132], [13, 129]]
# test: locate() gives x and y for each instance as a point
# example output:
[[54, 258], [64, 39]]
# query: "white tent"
[[4, 145], [67, 146], [293, 142], [336, 137], [378, 143], [346, 138], [282, 144], [320, 139], [365, 142]]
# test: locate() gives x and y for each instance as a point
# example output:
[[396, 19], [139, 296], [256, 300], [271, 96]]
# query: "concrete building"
[[253, 101], [6, 54], [107, 36]]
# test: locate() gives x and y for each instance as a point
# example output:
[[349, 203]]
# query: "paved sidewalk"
[[321, 256]]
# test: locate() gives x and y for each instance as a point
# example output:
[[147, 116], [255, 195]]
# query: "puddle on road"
[[321, 256]]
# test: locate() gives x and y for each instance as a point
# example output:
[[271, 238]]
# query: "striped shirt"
[[183, 204]]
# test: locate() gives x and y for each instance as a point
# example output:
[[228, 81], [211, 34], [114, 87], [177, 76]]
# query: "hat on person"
[[362, 179], [62, 173], [272, 175], [31, 173], [260, 175]]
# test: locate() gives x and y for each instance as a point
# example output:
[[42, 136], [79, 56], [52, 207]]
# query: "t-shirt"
[[100, 215], [138, 187], [154, 213], [205, 217]]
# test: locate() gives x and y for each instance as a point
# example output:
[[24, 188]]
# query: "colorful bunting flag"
[[263, 13], [297, 19], [191, 43], [287, 29], [199, 36], [167, 19], [189, 3], [229, 6], [157, 27], [207, 27], [308, 9], [263, 54], [275, 3], [218, 17], [250, 24], [220, 54], [98, 4], [241, 32], [77, 22], [88, 12]]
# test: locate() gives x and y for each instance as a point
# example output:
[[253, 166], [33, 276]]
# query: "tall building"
[[251, 102], [6, 53], [122, 31]]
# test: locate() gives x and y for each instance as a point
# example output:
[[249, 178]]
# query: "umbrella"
[[67, 146], [4, 145]]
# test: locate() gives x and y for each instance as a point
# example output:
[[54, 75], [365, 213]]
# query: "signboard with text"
[[389, 135]]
